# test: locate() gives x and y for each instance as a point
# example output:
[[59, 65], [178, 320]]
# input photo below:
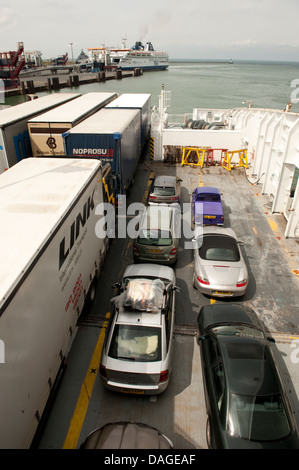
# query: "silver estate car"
[[158, 237], [219, 267], [165, 190], [138, 348]]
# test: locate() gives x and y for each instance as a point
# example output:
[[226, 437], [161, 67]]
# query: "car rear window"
[[208, 197], [155, 237], [164, 191], [219, 248], [258, 418], [136, 343]]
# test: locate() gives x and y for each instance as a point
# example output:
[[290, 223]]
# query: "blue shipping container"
[[110, 135]]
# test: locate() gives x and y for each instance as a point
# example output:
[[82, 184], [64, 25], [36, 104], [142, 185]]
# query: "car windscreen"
[[219, 248], [155, 237], [257, 418], [238, 330], [164, 191], [136, 343]]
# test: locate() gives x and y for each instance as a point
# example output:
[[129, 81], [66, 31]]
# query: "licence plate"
[[221, 292], [132, 390], [154, 251], [209, 216]]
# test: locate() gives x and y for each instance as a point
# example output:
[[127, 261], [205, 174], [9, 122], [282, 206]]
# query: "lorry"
[[50, 265], [113, 136], [141, 101], [46, 130], [14, 135]]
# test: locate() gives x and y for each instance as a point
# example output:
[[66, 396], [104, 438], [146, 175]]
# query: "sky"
[[186, 29]]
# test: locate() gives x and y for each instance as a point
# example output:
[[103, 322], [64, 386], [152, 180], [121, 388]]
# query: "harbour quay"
[[54, 78]]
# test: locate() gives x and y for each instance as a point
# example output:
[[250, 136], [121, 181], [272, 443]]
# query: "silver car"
[[158, 237], [138, 348], [219, 267], [126, 435], [165, 190]]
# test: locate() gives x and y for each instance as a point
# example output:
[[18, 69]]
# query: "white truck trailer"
[[46, 129], [14, 135], [50, 260]]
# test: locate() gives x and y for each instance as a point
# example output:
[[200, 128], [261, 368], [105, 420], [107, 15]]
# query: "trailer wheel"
[[92, 291]]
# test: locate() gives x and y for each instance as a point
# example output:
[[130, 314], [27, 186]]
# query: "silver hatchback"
[[158, 237], [165, 190], [138, 348]]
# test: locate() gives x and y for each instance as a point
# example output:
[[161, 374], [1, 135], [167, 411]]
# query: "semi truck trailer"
[[113, 136], [14, 136], [46, 130], [50, 263]]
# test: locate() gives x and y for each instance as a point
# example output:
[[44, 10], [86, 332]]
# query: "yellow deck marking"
[[85, 393], [147, 188], [200, 182], [273, 225]]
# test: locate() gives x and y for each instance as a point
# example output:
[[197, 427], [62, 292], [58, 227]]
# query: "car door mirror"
[[200, 338], [176, 288]]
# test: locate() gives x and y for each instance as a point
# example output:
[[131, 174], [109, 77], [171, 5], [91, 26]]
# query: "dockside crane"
[[11, 64]]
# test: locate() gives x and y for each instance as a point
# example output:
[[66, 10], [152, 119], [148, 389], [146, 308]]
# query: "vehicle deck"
[[82, 404]]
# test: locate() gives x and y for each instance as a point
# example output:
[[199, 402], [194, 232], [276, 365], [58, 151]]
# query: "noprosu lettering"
[[91, 151]]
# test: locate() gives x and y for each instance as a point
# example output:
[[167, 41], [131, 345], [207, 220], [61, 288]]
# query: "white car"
[[219, 266], [138, 348]]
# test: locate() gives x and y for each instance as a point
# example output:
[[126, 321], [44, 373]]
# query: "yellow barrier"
[[152, 148], [228, 158], [200, 152], [110, 197]]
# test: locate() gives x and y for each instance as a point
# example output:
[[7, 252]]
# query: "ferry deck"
[[82, 404]]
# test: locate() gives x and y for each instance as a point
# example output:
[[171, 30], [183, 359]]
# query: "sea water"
[[209, 85]]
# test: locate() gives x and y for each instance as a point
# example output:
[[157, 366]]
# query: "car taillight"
[[135, 250], [173, 251], [174, 198], [103, 371], [164, 375], [152, 197], [203, 281], [241, 283]]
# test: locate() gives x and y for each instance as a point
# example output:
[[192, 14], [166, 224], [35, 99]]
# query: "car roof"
[[165, 180], [207, 189], [248, 366], [139, 318], [149, 270], [158, 217], [127, 435]]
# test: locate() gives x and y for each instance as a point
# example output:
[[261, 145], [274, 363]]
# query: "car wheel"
[[208, 433]]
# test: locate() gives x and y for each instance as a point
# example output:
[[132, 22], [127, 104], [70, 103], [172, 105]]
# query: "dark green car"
[[246, 402]]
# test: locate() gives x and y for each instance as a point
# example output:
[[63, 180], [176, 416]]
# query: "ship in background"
[[138, 56]]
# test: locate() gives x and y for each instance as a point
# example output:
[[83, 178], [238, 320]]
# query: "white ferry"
[[138, 56]]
